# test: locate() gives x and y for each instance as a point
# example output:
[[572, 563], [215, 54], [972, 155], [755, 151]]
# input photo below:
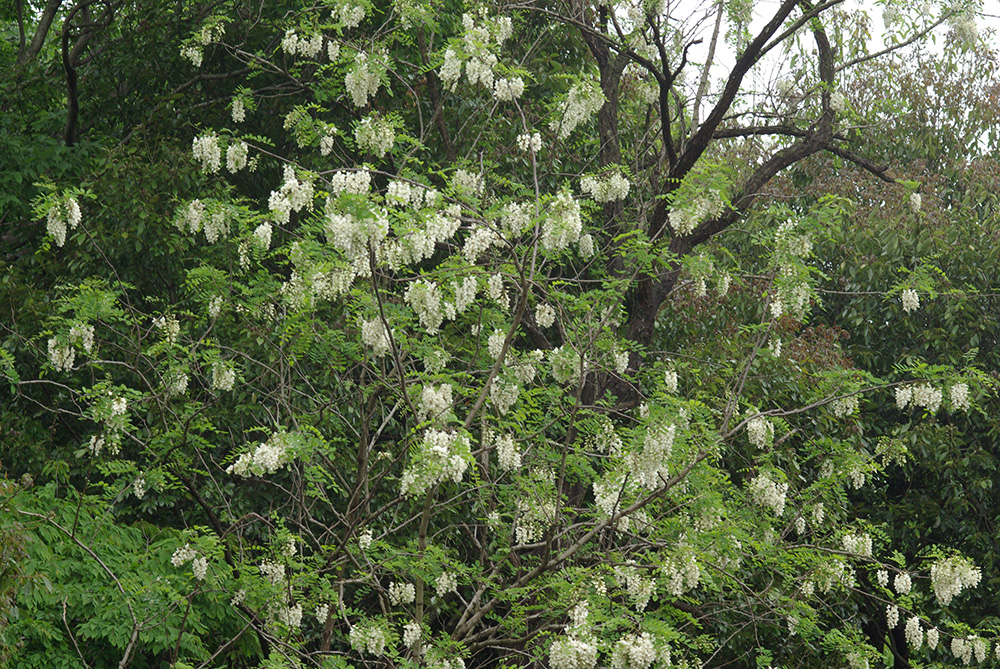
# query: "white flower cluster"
[[63, 213], [434, 402], [437, 659], [375, 336], [845, 406], [838, 102], [920, 395], [760, 432], [959, 394], [236, 156], [562, 225], [964, 30], [583, 101], [445, 583], [516, 218], [682, 573], [401, 593], [507, 452], [267, 458], [183, 555], [273, 573], [307, 47], [223, 376], [365, 539], [914, 633], [294, 195], [479, 241], [961, 649], [532, 519], [193, 53], [238, 597], [685, 219], [424, 298], [139, 487], [607, 495], [411, 634], [545, 315], [291, 616], [858, 544], [239, 109], [61, 357], [766, 492], [262, 236], [670, 381], [437, 457], [375, 135], [363, 79], [609, 189], [639, 587], [468, 183], [910, 300], [354, 182], [891, 616], [916, 201], [565, 365], [354, 234], [350, 15], [478, 44], [650, 467], [206, 149], [902, 583], [169, 326], [952, 575], [634, 652], [508, 89], [573, 652], [932, 638], [529, 142], [370, 639], [504, 393]]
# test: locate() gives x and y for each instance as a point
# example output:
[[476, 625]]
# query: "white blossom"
[[529, 142], [375, 135], [910, 300], [892, 615], [508, 89], [206, 149], [445, 583], [236, 156], [950, 576], [584, 100], [370, 639], [914, 633], [562, 225], [608, 189], [84, 335], [61, 357], [363, 80], [365, 539], [959, 394], [401, 593], [915, 202], [199, 568], [902, 583], [411, 634], [183, 555], [766, 492]]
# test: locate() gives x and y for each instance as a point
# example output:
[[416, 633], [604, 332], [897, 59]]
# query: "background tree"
[[432, 374]]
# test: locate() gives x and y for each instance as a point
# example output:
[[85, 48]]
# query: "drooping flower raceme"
[[363, 79], [375, 135], [267, 458], [606, 189], [206, 149], [766, 492], [583, 101], [437, 457], [62, 213], [910, 300], [952, 575], [562, 225]]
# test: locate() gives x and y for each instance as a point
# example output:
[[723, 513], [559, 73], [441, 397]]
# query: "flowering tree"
[[437, 379]]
